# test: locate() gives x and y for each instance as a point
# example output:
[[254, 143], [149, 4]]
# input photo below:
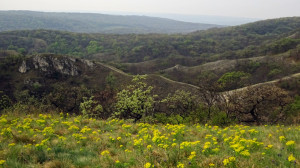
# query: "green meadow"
[[60, 140]]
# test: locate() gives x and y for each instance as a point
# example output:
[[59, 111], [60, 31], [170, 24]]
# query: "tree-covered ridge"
[[255, 39], [94, 23], [214, 61]]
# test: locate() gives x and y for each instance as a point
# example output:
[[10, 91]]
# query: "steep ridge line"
[[196, 87], [263, 83], [169, 80], [181, 83], [113, 68]]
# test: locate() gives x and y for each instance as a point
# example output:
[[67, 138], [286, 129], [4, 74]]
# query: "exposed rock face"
[[23, 67], [52, 64]]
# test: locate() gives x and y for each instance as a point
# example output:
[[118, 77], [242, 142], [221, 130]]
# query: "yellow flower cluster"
[[193, 154], [105, 153], [148, 165], [126, 144], [2, 162], [229, 161]]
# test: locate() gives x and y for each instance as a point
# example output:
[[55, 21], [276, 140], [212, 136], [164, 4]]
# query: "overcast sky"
[[237, 8]]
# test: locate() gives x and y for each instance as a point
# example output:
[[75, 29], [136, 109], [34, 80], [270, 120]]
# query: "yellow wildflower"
[[149, 147], [245, 153], [105, 152], [127, 150], [148, 165], [211, 165], [231, 159], [225, 162], [2, 162], [289, 143], [193, 154], [291, 158], [269, 147], [180, 165], [12, 144], [281, 138]]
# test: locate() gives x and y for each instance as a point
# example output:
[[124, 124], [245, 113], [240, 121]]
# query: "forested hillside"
[[263, 49], [191, 78], [255, 39], [94, 23]]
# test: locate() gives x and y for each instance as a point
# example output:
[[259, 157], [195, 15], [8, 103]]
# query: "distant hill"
[[94, 23], [262, 51], [208, 19]]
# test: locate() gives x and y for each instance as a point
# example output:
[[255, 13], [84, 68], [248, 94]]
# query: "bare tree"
[[259, 104], [210, 97]]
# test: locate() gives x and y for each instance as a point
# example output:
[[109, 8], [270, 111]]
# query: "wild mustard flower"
[[281, 138], [3, 121], [229, 160], [193, 154], [11, 144], [128, 151], [148, 165], [149, 147], [291, 158], [226, 162], [216, 150], [137, 142], [232, 159], [85, 129], [245, 153], [73, 127], [211, 165], [180, 165], [269, 147], [2, 162], [207, 145], [105, 153], [48, 131], [290, 143]]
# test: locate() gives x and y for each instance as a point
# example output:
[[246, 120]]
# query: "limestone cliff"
[[50, 64]]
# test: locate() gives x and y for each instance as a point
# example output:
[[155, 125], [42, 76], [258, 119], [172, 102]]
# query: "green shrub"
[[90, 108]]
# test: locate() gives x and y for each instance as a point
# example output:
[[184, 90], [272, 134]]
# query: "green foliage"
[[293, 110], [220, 118], [93, 47], [274, 72], [245, 41], [110, 81], [90, 108], [169, 119], [5, 101], [234, 79], [181, 102], [283, 45], [136, 101]]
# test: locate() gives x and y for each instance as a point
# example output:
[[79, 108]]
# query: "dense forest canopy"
[[254, 39]]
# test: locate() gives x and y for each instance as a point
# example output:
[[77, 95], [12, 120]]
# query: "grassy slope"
[[47, 140]]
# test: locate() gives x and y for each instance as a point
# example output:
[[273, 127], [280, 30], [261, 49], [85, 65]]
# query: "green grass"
[[63, 141]]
